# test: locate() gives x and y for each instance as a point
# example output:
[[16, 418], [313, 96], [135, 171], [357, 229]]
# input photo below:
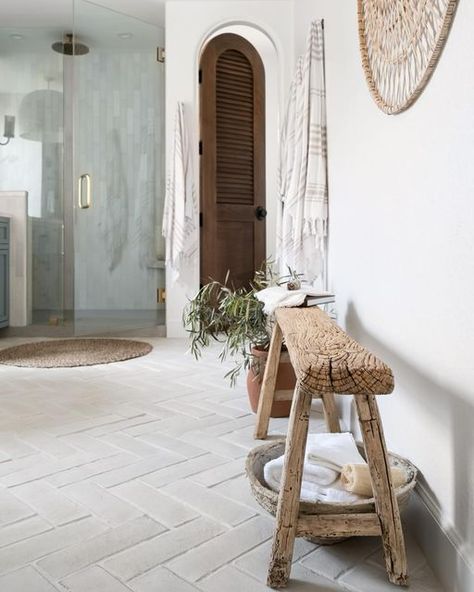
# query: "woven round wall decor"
[[400, 43]]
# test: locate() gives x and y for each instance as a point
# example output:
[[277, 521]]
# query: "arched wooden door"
[[232, 170]]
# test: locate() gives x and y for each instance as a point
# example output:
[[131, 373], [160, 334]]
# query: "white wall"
[[402, 251], [188, 24]]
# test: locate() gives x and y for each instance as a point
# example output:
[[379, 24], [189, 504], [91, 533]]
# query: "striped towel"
[[181, 212], [303, 208]]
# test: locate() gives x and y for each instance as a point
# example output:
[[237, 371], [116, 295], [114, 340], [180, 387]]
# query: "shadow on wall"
[[446, 406]]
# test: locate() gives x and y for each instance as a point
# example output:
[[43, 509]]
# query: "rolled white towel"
[[356, 478], [333, 450]]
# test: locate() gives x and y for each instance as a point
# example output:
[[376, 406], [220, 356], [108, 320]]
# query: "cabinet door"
[[4, 287]]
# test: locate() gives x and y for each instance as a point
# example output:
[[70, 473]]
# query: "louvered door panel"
[[233, 163]]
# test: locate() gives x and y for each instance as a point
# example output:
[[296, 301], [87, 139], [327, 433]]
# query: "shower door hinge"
[[160, 55], [200, 147], [201, 220]]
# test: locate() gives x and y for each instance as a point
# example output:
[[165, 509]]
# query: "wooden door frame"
[[207, 161]]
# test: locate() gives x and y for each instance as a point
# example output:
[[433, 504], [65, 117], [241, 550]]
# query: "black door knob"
[[260, 213]]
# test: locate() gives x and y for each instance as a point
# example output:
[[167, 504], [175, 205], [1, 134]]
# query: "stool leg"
[[267, 391], [290, 489], [386, 504], [330, 412]]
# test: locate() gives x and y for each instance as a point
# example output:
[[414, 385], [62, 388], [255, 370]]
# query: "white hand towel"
[[279, 296], [333, 450], [312, 490]]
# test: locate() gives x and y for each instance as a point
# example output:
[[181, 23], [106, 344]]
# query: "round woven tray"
[[268, 499]]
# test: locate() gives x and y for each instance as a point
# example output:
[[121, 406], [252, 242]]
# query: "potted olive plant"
[[235, 318]]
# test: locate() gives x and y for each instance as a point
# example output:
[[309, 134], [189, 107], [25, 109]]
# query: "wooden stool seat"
[[327, 361]]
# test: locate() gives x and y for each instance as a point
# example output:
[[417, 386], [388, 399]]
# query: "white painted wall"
[[188, 24], [402, 251]]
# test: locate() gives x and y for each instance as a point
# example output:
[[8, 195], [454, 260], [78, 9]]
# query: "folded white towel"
[[311, 489], [311, 473], [320, 475], [310, 492], [279, 296], [333, 450]]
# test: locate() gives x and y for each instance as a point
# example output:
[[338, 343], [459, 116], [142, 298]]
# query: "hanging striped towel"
[[181, 212], [303, 208]]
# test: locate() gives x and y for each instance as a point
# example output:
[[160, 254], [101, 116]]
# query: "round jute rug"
[[70, 353]]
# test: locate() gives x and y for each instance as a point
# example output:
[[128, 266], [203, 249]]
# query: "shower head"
[[70, 46]]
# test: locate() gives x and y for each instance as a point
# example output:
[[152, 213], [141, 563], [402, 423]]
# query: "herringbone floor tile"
[[130, 477]]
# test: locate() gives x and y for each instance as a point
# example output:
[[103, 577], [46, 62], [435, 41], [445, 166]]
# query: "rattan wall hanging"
[[400, 42]]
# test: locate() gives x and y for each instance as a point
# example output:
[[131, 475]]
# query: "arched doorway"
[[232, 165]]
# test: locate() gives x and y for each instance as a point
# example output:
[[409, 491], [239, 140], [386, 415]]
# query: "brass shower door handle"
[[84, 180]]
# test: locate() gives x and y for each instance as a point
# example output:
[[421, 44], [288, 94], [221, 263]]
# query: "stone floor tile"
[[149, 554], [198, 562], [138, 469], [160, 579], [102, 502], [214, 445], [415, 556], [26, 579], [79, 556], [221, 473], [12, 509], [304, 580], [366, 577], [49, 503], [256, 561], [331, 561], [231, 579], [239, 490], [163, 508], [32, 549], [90, 469], [182, 470], [129, 444], [93, 579], [24, 529], [208, 502], [174, 444]]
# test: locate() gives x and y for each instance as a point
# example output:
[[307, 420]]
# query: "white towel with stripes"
[[181, 211], [303, 202]]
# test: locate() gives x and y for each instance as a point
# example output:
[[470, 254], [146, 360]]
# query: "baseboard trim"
[[442, 546]]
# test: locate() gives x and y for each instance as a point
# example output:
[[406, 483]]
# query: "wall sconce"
[[8, 129]]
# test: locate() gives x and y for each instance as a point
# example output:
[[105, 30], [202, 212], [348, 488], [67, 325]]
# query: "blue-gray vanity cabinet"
[[4, 271]]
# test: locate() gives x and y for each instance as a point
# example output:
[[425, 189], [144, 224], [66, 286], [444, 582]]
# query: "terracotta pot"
[[286, 380]]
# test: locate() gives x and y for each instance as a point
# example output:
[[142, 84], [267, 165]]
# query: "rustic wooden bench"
[[327, 361]]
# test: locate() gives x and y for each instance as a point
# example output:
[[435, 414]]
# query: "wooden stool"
[[268, 394], [327, 361]]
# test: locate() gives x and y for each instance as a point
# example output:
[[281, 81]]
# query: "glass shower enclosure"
[[87, 156]]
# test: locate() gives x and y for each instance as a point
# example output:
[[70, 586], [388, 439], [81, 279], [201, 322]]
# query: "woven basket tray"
[[268, 499]]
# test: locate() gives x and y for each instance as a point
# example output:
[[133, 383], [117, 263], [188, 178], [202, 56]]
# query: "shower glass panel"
[[31, 169], [117, 172]]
